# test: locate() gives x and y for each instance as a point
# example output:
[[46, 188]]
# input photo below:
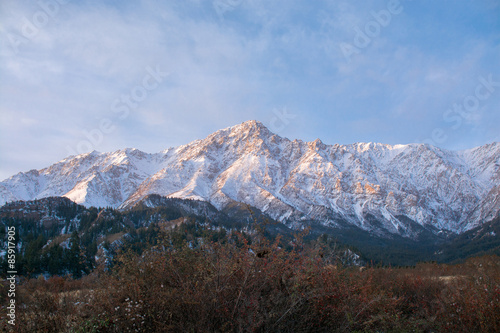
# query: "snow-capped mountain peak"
[[371, 185]]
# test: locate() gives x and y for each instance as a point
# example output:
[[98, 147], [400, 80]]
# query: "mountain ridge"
[[291, 181]]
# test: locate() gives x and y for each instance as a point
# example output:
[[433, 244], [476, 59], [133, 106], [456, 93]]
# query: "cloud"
[[242, 62]]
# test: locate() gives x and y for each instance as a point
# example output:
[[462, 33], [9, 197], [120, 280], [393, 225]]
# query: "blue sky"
[[77, 76]]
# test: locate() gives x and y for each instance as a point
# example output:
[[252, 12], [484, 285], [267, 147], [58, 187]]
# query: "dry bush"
[[262, 288]]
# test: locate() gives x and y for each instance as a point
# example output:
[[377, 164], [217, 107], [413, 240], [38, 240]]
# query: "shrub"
[[260, 287]]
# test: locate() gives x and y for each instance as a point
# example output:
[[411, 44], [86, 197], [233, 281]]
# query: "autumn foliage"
[[261, 287]]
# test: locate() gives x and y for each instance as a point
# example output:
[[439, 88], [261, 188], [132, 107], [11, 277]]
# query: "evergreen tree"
[[75, 257], [54, 261]]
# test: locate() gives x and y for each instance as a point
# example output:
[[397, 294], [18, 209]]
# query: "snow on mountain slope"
[[93, 179], [292, 181]]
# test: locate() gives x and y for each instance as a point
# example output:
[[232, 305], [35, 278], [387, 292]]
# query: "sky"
[[78, 76]]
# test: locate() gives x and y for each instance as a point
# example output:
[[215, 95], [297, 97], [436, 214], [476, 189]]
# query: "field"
[[237, 287]]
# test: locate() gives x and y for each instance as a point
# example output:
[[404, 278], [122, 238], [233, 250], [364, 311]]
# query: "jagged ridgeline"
[[395, 204], [410, 190]]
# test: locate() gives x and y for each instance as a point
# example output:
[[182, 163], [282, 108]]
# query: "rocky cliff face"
[[376, 187]]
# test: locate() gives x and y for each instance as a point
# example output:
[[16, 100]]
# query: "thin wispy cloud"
[[74, 68]]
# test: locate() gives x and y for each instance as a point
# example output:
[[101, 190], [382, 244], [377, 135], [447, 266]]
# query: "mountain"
[[482, 240], [402, 190], [56, 236]]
